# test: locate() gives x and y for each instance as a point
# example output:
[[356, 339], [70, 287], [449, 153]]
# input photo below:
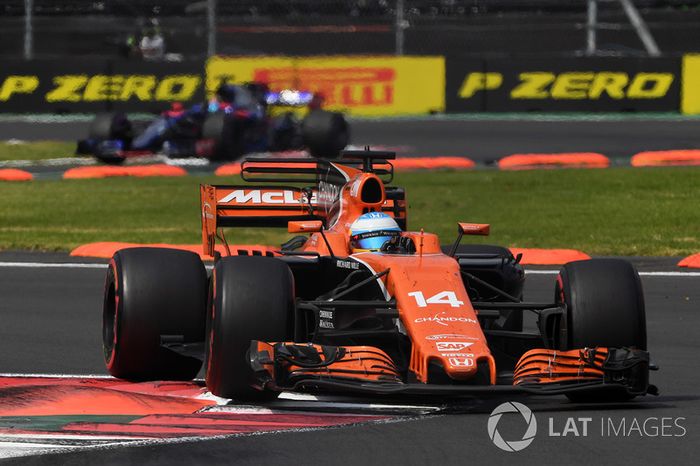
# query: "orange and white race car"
[[358, 304]]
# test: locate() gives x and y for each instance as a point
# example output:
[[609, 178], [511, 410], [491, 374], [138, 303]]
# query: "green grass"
[[37, 150], [617, 211]]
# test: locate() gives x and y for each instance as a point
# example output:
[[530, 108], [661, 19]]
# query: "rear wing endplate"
[[252, 206]]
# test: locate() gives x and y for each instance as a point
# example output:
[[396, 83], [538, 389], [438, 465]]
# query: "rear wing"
[[251, 206], [303, 189]]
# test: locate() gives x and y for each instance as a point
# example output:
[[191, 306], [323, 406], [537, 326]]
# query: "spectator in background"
[[152, 44]]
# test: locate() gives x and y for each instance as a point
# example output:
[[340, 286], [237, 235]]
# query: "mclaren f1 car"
[[407, 317]]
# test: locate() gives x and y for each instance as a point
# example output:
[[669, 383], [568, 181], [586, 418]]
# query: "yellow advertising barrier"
[[690, 91], [358, 85]]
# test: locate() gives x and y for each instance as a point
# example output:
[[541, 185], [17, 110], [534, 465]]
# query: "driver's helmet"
[[371, 230]]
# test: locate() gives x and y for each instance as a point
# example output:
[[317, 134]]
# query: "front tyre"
[[150, 293], [252, 299], [604, 306]]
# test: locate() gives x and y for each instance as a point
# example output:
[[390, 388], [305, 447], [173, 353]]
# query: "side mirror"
[[304, 226], [482, 229]]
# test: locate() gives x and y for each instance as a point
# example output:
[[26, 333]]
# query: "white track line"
[[641, 274], [52, 265], [63, 265], [669, 274], [57, 162], [92, 265], [58, 376]]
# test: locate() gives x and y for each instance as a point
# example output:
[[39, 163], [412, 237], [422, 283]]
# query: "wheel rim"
[[109, 320]]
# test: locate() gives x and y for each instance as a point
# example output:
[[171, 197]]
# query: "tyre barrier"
[[691, 261], [564, 160], [433, 163], [229, 169], [662, 158], [12, 174], [108, 171]]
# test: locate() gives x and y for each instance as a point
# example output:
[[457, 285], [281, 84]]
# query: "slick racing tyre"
[[604, 307], [252, 298], [152, 293], [325, 134], [110, 126], [226, 135]]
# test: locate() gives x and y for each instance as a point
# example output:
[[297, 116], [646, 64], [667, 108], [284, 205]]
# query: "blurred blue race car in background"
[[239, 120]]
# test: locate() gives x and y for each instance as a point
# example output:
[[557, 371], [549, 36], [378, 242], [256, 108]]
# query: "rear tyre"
[[223, 131], [110, 126], [150, 292], [252, 299], [325, 133], [604, 307]]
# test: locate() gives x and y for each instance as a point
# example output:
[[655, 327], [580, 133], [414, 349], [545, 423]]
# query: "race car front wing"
[[364, 370]]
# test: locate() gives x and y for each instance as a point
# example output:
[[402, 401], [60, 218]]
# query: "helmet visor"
[[373, 240]]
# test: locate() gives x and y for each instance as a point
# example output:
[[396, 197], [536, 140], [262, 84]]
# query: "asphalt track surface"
[[51, 324], [484, 141]]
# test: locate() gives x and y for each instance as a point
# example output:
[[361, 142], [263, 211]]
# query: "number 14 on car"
[[443, 297]]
